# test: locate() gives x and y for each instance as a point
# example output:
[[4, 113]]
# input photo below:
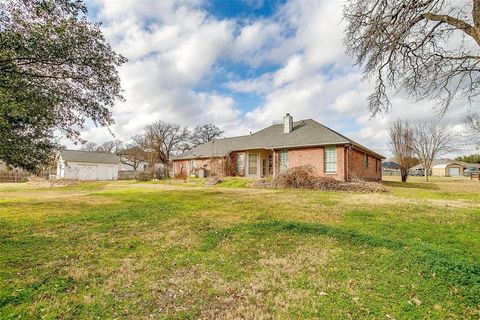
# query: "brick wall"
[[180, 166], [213, 166], [298, 157], [314, 157], [356, 166]]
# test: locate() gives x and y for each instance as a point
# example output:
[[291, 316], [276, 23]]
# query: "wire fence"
[[391, 172]]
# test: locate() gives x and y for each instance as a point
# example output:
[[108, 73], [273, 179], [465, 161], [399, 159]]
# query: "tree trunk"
[[404, 173], [426, 173]]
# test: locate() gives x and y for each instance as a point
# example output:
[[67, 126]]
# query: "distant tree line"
[[157, 143], [473, 158]]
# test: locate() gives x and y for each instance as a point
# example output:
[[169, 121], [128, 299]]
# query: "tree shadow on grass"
[[412, 185]]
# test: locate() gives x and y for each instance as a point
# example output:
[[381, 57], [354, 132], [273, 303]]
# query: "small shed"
[[449, 169], [87, 165]]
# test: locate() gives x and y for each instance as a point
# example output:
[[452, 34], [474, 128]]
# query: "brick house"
[[279, 147]]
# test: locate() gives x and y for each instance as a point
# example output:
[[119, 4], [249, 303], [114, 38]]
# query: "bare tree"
[[429, 48], [204, 134], [401, 144], [431, 140], [472, 121], [89, 146], [163, 139], [132, 156], [110, 146]]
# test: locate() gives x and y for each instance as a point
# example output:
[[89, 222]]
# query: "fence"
[[391, 172], [475, 176], [140, 175], [19, 176], [127, 175]]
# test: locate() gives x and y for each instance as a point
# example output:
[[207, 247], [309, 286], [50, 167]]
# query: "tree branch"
[[454, 22]]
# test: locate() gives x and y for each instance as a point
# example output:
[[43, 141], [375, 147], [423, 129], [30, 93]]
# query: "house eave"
[[357, 146]]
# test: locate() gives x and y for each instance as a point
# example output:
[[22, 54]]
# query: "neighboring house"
[[467, 165], [280, 147], [87, 165], [142, 166], [390, 168], [130, 158], [444, 168]]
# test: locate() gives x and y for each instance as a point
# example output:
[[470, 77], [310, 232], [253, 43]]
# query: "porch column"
[[274, 163]]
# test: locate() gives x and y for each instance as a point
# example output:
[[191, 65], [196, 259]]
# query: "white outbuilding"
[[87, 165]]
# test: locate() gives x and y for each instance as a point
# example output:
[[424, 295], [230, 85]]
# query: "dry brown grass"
[[124, 276], [387, 199], [266, 293]]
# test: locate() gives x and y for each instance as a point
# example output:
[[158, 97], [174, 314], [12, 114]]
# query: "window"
[[192, 167], [330, 159], [252, 164], [144, 167], [240, 160], [365, 162], [283, 160]]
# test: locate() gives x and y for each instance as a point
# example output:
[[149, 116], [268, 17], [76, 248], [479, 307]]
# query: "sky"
[[242, 65]]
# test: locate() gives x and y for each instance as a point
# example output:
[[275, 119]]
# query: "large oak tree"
[[163, 140], [56, 72], [204, 134], [428, 48]]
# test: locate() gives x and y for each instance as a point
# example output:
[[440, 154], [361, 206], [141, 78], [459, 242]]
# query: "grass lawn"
[[181, 250]]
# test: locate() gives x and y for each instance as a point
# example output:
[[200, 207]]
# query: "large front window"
[[283, 160], [330, 159], [252, 164]]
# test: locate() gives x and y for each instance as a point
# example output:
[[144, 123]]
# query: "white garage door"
[[87, 172], [452, 172]]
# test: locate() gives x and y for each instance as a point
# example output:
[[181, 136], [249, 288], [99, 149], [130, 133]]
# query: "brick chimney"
[[287, 123]]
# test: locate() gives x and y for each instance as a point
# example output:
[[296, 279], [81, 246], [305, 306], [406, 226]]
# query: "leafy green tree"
[[473, 158], [56, 72]]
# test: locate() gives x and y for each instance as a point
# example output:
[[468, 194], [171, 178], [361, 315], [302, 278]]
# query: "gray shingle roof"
[[89, 156], [305, 133]]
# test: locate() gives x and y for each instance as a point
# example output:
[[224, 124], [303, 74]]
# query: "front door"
[[264, 167]]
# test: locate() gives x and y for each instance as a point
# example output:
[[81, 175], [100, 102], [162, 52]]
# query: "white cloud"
[[174, 48], [171, 46]]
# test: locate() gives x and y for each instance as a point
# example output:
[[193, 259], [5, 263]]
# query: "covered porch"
[[257, 163]]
